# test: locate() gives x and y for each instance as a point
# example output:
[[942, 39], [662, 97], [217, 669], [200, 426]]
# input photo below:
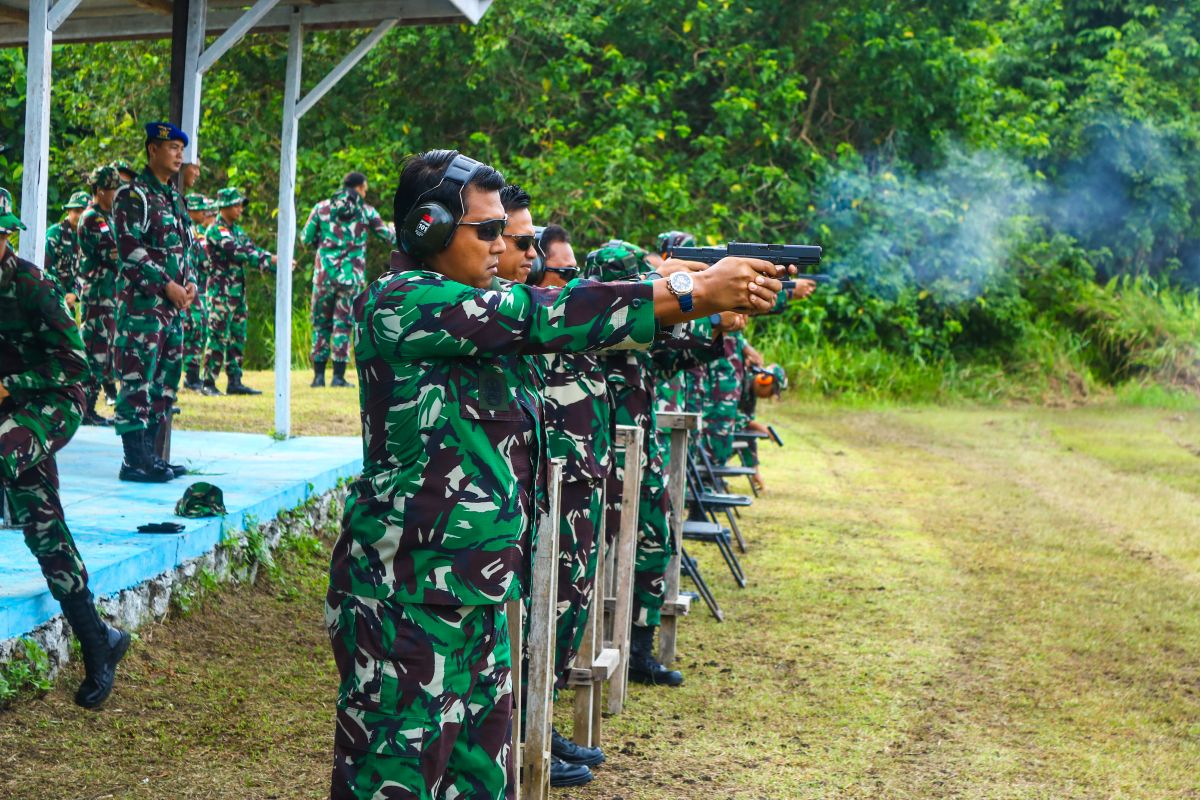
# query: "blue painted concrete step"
[[259, 476]]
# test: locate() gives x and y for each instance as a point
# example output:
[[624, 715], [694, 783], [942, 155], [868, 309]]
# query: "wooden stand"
[[532, 760], [675, 605]]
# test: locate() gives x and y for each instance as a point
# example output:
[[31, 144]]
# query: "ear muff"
[[429, 226], [538, 270]]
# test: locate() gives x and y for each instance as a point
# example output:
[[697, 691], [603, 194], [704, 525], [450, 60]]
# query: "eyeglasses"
[[488, 230], [568, 273], [522, 241]]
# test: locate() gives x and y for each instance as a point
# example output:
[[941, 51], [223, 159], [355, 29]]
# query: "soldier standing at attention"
[[338, 228], [42, 370], [435, 533], [230, 251], [195, 321], [62, 249], [99, 266], [154, 287]]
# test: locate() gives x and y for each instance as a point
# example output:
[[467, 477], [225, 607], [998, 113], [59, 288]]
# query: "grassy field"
[[974, 602]]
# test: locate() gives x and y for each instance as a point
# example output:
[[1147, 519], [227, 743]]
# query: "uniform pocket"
[[487, 392]]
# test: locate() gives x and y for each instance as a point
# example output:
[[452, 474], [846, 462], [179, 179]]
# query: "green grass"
[[966, 602]]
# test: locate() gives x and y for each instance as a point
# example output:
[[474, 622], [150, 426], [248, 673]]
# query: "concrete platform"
[[259, 476]]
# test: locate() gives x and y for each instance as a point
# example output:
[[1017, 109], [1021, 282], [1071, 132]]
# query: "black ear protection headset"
[[429, 226], [538, 270]]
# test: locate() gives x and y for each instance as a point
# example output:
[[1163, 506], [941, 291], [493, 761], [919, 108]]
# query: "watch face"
[[681, 282]]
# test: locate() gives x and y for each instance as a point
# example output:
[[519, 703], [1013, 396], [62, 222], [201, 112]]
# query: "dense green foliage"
[[1006, 189]]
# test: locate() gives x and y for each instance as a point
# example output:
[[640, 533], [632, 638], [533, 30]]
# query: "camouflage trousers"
[[195, 333], [99, 332], [655, 545], [149, 363], [720, 422], [226, 331], [578, 553], [332, 320], [30, 435], [425, 704]]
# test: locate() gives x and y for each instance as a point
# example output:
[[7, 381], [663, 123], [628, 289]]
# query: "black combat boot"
[[177, 470], [102, 645], [318, 374], [564, 774], [192, 380], [139, 466], [572, 753], [235, 386], [90, 417], [339, 375], [643, 667], [209, 388]]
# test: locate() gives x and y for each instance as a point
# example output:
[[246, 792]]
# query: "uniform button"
[[637, 303]]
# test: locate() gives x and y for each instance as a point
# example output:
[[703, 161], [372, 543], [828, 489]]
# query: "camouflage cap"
[[230, 196], [201, 500], [198, 202], [617, 260], [105, 176], [122, 166], [9, 221], [674, 239], [78, 200]]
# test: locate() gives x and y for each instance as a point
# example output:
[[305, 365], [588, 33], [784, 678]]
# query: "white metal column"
[[293, 109], [193, 78], [286, 243], [43, 21]]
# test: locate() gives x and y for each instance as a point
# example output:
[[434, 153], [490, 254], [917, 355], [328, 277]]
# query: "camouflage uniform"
[[195, 318], [338, 228], [724, 390], [153, 239], [435, 536], [579, 430], [230, 251], [632, 379], [62, 257], [99, 266], [42, 366]]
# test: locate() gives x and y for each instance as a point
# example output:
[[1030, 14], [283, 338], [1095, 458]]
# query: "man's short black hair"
[[514, 198], [423, 171], [553, 234], [353, 180]]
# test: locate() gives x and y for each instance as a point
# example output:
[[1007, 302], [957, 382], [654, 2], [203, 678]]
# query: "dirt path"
[[965, 603]]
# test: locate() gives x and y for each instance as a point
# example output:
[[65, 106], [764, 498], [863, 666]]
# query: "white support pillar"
[[193, 78], [286, 244], [35, 180]]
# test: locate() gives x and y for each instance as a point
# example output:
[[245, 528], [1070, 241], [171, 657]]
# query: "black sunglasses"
[[568, 273], [488, 230], [522, 241]]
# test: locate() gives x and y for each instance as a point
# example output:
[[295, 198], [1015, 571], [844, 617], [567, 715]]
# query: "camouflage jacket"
[[201, 263], [62, 257], [99, 258], [724, 382], [579, 419], [451, 438], [230, 251], [338, 228], [153, 237], [40, 346]]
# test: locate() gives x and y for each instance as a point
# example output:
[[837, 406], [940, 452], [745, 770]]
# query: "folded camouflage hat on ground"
[[201, 500]]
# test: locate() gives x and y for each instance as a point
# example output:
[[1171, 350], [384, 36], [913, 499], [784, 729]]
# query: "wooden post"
[[586, 729], [626, 547], [674, 606], [543, 614], [514, 610]]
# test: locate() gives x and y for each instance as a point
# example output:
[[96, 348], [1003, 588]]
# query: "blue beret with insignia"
[[164, 132]]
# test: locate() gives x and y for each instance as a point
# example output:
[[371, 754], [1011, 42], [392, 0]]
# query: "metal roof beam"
[[348, 63], [236, 32], [59, 13]]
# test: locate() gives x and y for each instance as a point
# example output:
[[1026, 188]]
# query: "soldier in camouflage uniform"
[[195, 321], [62, 249], [153, 290], [42, 369], [338, 229], [99, 266], [435, 536], [230, 251], [125, 170]]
